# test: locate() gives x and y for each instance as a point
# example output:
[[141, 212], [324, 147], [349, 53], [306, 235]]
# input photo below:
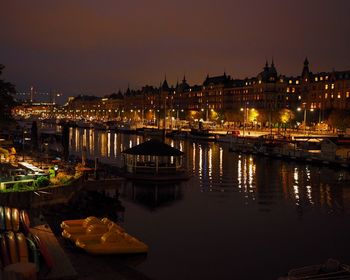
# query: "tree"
[[339, 119], [6, 98], [286, 116]]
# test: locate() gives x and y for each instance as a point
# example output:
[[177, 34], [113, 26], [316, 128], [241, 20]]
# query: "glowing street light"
[[305, 115]]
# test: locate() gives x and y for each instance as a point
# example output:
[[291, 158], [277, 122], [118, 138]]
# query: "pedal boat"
[[111, 242], [97, 229], [79, 223]]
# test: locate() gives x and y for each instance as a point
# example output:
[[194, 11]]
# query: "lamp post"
[[207, 112], [305, 115], [304, 120], [245, 111]]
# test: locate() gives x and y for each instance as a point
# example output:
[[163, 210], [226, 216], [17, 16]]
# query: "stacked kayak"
[[101, 236], [20, 250]]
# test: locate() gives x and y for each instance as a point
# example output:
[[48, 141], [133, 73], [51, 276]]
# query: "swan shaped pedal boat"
[[111, 242]]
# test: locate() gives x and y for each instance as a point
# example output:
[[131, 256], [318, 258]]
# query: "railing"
[[152, 169]]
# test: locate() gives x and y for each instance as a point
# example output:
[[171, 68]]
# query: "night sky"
[[98, 47]]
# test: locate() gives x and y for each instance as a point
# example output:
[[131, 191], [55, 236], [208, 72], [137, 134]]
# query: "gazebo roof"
[[153, 147]]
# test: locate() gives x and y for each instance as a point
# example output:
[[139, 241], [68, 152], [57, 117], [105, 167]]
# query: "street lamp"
[[305, 115], [244, 119], [244, 110]]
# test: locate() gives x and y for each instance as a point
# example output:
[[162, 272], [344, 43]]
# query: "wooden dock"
[[62, 268]]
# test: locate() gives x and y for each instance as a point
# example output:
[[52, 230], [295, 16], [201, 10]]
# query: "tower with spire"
[[306, 71]]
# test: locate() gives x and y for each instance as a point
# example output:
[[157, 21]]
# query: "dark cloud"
[[101, 46]]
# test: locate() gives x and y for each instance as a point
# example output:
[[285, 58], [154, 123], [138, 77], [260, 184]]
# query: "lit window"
[[347, 94], [290, 81], [326, 95], [287, 89], [321, 78], [316, 79], [297, 82], [259, 81], [293, 89], [326, 87], [332, 95], [339, 95], [299, 97], [332, 86]]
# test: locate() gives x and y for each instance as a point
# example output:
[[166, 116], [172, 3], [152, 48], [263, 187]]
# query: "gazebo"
[[153, 159]]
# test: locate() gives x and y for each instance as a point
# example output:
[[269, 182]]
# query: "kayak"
[[22, 247], [25, 222], [12, 247], [3, 249], [15, 219], [112, 242], [44, 252], [2, 218], [8, 218], [33, 255]]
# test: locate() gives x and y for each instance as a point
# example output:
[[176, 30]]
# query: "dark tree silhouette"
[[6, 98], [339, 119]]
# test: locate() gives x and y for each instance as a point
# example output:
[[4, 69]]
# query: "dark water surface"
[[238, 217]]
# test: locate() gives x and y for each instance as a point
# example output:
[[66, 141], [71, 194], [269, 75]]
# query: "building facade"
[[219, 98]]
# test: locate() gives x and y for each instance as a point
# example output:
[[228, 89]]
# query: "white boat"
[[331, 269]]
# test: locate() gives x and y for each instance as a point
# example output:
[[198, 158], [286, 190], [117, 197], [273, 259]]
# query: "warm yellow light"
[[253, 115], [286, 115]]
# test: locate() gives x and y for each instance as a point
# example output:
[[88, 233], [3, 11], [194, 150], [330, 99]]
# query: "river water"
[[238, 217]]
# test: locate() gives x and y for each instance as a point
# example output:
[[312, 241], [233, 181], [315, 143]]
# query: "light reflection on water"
[[241, 204], [217, 170]]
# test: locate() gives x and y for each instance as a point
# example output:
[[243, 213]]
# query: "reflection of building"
[[309, 187], [152, 196]]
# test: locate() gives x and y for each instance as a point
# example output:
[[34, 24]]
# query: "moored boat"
[[331, 269], [73, 229], [112, 242], [79, 222], [201, 134], [102, 238]]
